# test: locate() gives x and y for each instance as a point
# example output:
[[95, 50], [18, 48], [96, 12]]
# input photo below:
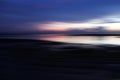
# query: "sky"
[[58, 15]]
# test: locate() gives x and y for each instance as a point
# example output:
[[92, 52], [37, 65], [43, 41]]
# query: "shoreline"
[[45, 60], [48, 41], [85, 53], [51, 45]]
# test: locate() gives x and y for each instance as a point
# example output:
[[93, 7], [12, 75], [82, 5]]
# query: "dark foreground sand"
[[43, 60]]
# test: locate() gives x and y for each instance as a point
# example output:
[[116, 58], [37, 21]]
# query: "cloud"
[[14, 13]]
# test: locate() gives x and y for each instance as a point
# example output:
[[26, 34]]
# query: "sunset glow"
[[53, 29], [62, 26], [112, 26], [29, 16]]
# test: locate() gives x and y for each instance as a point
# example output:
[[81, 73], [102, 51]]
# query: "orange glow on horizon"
[[53, 29]]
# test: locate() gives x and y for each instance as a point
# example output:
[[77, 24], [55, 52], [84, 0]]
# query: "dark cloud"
[[23, 12]]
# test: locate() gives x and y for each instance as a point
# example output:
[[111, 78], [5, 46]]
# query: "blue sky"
[[32, 15]]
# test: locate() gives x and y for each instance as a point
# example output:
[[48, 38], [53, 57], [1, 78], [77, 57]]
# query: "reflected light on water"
[[97, 40]]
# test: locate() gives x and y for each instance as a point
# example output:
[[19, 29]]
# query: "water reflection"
[[100, 38], [97, 40]]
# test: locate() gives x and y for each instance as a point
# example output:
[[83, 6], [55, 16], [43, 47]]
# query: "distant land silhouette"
[[88, 31]]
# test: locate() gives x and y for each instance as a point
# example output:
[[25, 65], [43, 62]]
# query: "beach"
[[46, 60]]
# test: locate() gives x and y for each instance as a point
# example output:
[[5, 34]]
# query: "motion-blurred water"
[[95, 40]]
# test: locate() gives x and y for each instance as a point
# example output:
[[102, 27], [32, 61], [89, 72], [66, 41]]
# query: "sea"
[[26, 66], [94, 40]]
